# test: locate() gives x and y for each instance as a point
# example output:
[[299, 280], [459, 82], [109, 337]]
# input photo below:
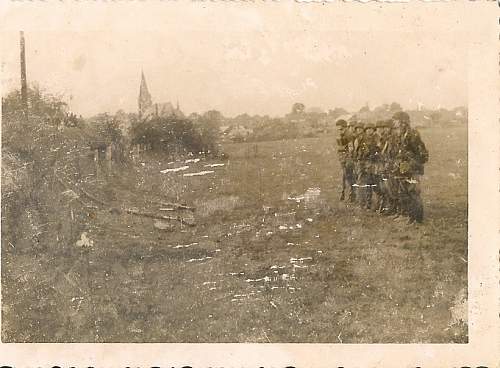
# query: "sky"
[[254, 61]]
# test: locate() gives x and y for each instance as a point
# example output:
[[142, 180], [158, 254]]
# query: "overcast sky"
[[250, 62]]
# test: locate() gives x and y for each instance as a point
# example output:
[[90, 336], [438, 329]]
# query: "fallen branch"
[[87, 194], [176, 206], [95, 199], [159, 217], [151, 215], [60, 181]]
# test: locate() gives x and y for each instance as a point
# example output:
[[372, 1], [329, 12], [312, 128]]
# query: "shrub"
[[42, 105], [167, 134]]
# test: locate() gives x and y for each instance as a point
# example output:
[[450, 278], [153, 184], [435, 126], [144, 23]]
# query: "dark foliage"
[[166, 134]]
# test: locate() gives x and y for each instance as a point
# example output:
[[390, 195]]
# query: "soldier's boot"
[[368, 198], [403, 208], [351, 193], [416, 210], [398, 209], [419, 218], [377, 200], [389, 207], [352, 196], [409, 209], [384, 204], [376, 196], [381, 204], [402, 201]]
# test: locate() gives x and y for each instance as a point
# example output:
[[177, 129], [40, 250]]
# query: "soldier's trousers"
[[348, 180], [358, 182], [371, 190], [410, 199], [391, 190], [379, 192], [364, 191]]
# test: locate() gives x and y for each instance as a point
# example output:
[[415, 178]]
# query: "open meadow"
[[265, 252]]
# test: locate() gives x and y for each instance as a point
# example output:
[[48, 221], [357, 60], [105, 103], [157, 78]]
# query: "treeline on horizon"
[[203, 132]]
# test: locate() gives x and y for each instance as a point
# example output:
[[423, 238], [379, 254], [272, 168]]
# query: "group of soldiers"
[[382, 165]]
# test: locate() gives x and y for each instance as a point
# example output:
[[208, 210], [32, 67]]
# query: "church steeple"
[[145, 101]]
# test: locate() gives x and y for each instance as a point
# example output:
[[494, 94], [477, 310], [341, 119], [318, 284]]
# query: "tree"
[[381, 112], [365, 109], [194, 116], [213, 116], [243, 119], [395, 107], [298, 108], [167, 134], [107, 128], [208, 133], [42, 105], [46, 113], [336, 112]]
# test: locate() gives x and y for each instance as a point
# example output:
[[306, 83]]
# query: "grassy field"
[[260, 265]]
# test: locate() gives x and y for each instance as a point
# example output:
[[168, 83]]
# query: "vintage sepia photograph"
[[273, 178]]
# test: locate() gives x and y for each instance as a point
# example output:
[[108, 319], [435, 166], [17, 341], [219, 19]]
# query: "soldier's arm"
[[422, 150]]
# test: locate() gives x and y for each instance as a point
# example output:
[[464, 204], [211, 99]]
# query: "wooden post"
[[24, 84]]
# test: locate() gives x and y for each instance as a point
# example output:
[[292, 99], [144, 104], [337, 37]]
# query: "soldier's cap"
[[341, 123], [381, 124], [402, 117], [359, 125], [369, 126]]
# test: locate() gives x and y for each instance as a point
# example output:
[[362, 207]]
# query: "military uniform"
[[411, 157], [359, 163], [368, 155], [380, 166], [389, 154], [346, 164]]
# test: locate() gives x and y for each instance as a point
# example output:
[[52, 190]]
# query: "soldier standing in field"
[[343, 140], [382, 131], [351, 132], [359, 163], [368, 153], [411, 157], [389, 153]]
